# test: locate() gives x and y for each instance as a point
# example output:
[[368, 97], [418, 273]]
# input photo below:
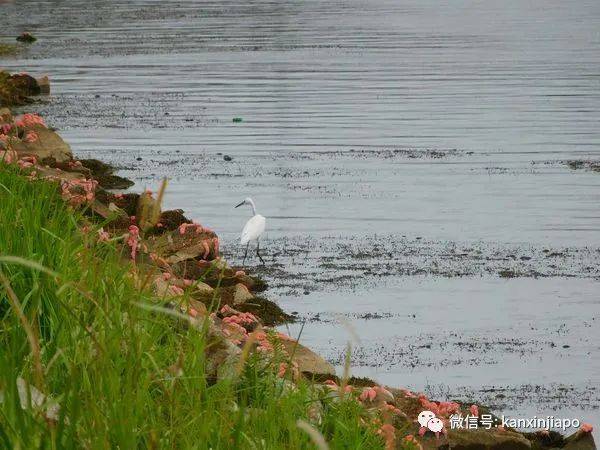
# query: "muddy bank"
[[348, 264]]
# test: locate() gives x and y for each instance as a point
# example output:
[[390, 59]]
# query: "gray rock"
[[29, 395], [48, 145], [482, 439], [307, 360], [241, 294], [43, 84], [222, 356], [580, 441]]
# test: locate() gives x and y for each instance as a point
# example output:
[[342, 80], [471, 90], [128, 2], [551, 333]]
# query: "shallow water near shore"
[[410, 159]]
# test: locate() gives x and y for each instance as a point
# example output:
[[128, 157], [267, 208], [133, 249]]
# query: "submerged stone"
[[26, 37]]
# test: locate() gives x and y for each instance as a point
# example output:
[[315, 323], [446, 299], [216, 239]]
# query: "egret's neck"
[[253, 208]]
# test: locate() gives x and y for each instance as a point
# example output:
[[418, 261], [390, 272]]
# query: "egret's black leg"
[[246, 253], [257, 253]]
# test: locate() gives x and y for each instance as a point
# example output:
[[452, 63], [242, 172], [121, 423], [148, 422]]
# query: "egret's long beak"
[[240, 204]]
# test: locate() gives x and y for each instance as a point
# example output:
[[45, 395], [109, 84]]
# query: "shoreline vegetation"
[[122, 326]]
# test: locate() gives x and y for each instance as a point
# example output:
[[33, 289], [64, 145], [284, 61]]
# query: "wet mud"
[[349, 263], [594, 166]]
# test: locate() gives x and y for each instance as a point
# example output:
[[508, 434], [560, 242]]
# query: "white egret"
[[253, 229]]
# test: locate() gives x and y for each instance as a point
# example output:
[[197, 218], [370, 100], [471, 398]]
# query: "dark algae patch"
[[579, 164], [353, 381], [507, 273], [269, 312], [26, 37], [103, 173], [172, 219], [8, 49]]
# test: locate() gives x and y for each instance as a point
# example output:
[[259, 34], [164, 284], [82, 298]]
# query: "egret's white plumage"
[[253, 229]]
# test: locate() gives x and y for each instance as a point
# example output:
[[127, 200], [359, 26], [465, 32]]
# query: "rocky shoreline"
[[182, 262]]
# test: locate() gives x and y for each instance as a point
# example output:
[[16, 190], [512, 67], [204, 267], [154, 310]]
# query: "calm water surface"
[[405, 154]]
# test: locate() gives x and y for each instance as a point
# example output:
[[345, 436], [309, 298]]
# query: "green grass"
[[105, 360]]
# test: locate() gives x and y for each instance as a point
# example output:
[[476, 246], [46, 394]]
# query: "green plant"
[[116, 374]]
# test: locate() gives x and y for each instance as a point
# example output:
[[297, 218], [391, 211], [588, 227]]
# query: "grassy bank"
[[116, 373]]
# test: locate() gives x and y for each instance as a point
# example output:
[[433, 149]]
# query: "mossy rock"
[[269, 312], [218, 276], [191, 245], [551, 439], [103, 173], [25, 84], [352, 381], [172, 219], [114, 182], [168, 221], [485, 440], [48, 145], [10, 93], [26, 38], [127, 202]]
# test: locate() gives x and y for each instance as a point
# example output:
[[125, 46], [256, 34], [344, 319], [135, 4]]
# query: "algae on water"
[[7, 49]]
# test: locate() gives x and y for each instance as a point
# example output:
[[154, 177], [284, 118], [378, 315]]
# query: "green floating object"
[[237, 119]]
